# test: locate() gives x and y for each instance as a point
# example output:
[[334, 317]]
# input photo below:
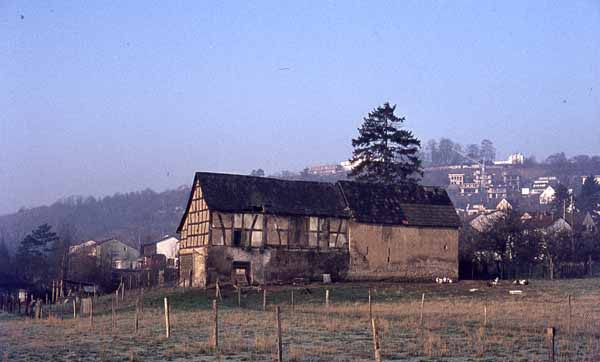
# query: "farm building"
[[261, 230]]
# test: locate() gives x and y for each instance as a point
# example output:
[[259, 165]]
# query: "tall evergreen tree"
[[383, 152], [589, 197], [32, 255]]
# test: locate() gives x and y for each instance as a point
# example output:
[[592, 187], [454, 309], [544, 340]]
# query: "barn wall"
[[193, 259], [399, 252], [277, 265]]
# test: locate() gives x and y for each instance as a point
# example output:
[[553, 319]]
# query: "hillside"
[[132, 217]]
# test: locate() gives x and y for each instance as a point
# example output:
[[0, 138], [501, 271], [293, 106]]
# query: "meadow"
[[457, 324]]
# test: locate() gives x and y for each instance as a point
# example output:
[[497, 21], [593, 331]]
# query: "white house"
[[547, 196], [169, 247]]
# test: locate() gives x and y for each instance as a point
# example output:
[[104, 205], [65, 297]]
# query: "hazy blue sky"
[[100, 97]]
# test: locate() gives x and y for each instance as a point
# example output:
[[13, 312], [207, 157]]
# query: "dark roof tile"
[[409, 205]]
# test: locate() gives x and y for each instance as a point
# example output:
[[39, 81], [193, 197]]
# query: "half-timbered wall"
[[195, 230], [292, 232]]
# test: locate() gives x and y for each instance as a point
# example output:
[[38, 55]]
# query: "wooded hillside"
[[134, 217]]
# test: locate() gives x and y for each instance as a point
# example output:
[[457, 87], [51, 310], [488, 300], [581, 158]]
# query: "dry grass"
[[453, 326]]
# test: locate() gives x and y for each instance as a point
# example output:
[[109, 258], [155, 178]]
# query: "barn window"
[[237, 237]]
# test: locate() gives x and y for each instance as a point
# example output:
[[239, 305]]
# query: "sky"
[[104, 97]]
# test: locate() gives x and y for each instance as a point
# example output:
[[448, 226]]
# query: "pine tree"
[[32, 255], [383, 152], [589, 197]]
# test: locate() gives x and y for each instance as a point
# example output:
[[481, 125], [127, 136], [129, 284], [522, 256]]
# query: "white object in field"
[[327, 278], [515, 291], [472, 290]]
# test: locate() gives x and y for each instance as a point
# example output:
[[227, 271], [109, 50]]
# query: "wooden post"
[[264, 298], [217, 290], [122, 291], [550, 335], [370, 306], [239, 296], [326, 298], [148, 279], [91, 312], [190, 279], [293, 307], [136, 316], [422, 305], [114, 314], [53, 291], [167, 321], [279, 340], [142, 303], [215, 332], [129, 281], [485, 315], [117, 298], [74, 308], [376, 346], [569, 326]]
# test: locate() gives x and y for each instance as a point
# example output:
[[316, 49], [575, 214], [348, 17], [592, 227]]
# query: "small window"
[[237, 237]]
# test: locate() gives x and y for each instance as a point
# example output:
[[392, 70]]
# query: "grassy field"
[[453, 325]]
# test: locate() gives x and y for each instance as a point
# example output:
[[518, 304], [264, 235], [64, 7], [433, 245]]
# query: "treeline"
[[134, 217], [510, 246], [446, 152]]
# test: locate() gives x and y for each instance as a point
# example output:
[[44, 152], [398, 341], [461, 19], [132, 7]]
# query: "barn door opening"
[[240, 273]]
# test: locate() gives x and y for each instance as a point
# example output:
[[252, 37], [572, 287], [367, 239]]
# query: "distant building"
[[324, 170], [541, 184], [119, 254], [547, 196], [583, 178], [513, 159], [113, 251], [168, 247]]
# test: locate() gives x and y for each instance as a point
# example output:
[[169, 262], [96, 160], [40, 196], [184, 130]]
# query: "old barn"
[[260, 230]]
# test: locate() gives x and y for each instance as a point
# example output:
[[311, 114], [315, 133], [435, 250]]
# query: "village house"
[[161, 253], [261, 230], [112, 251]]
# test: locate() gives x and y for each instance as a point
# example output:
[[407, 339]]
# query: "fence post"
[[550, 334], [74, 308], [326, 298], [91, 312], [279, 340], [264, 297], [293, 307], [114, 314], [569, 327], [376, 346], [136, 316], [217, 290], [485, 314], [422, 305], [239, 296], [370, 306], [215, 334], [142, 303], [167, 321]]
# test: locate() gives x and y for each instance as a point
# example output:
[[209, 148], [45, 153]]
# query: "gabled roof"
[[365, 202], [239, 193], [409, 205]]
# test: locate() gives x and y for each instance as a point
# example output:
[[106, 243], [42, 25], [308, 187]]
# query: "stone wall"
[[277, 264], [193, 259], [402, 253]]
